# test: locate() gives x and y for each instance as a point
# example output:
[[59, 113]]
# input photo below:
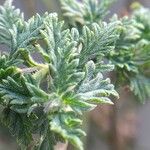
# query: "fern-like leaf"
[[85, 12], [9, 16], [140, 85], [98, 41]]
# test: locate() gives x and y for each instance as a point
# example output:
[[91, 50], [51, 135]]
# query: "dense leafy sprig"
[[98, 40], [48, 99], [85, 12], [131, 54], [9, 17]]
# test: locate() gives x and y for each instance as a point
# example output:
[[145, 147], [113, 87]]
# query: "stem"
[[40, 71], [41, 74]]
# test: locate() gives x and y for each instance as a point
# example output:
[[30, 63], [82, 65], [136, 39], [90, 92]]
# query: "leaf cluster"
[[85, 12], [131, 52], [48, 99]]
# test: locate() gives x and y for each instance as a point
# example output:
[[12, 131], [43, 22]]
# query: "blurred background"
[[132, 120]]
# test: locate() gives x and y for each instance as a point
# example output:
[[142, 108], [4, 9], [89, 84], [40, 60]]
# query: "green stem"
[[40, 71], [41, 74]]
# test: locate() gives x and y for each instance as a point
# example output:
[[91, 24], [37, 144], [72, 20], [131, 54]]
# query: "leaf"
[[94, 89], [104, 67], [18, 92], [131, 55], [46, 142], [141, 16], [10, 71], [48, 138], [9, 16], [98, 41], [61, 125], [28, 34], [85, 12], [5, 62], [8, 67], [19, 125], [37, 93], [140, 85]]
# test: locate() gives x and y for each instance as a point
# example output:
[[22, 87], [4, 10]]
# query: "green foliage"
[[48, 99], [19, 126], [130, 53], [98, 40], [140, 86], [141, 15], [85, 12], [9, 17]]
